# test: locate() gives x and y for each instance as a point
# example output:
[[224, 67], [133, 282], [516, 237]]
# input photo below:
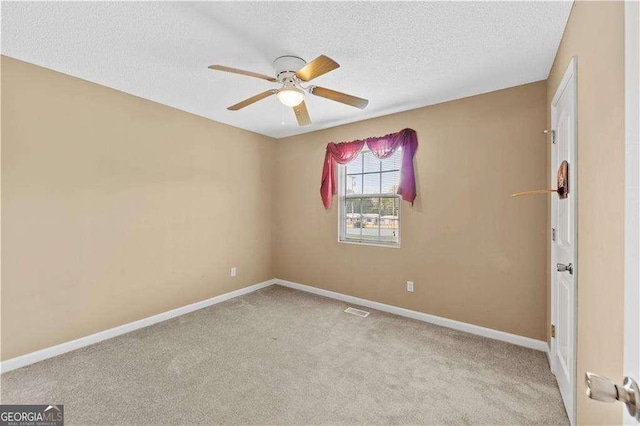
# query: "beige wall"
[[595, 34], [475, 254], [115, 208]]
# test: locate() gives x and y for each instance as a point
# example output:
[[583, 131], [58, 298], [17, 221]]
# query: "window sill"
[[358, 243]]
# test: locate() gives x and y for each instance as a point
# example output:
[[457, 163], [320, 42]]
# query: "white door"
[[632, 196], [563, 244]]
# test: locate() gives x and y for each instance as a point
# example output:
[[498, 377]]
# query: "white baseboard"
[[527, 342], [33, 357], [547, 351]]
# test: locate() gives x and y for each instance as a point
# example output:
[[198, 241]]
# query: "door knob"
[[603, 389], [565, 268]]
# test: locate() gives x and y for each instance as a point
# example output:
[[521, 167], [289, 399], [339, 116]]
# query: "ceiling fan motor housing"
[[287, 66]]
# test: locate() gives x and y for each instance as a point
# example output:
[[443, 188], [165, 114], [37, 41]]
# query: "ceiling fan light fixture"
[[290, 72], [290, 96]]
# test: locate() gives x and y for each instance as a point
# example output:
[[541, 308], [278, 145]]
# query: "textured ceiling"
[[398, 55]]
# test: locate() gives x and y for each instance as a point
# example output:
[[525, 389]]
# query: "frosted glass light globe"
[[291, 96]]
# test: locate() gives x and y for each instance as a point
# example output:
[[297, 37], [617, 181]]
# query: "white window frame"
[[342, 172]]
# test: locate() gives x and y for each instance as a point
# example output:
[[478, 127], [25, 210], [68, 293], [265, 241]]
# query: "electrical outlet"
[[410, 286], [234, 271]]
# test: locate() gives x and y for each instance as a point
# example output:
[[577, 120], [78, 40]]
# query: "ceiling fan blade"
[[242, 72], [339, 97], [321, 65], [252, 99], [302, 115]]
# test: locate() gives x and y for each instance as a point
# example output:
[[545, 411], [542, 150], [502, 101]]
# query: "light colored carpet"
[[281, 356]]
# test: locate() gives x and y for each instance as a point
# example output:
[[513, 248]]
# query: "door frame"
[[632, 196], [570, 77]]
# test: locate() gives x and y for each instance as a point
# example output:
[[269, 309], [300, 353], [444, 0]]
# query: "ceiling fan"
[[291, 72]]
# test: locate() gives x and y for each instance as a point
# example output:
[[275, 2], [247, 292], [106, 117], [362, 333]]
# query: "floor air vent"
[[357, 312]]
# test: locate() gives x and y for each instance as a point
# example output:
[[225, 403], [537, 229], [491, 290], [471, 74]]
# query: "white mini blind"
[[368, 203]]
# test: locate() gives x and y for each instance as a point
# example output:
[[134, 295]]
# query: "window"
[[369, 205]]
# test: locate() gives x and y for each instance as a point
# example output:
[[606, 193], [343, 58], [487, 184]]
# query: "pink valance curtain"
[[382, 147]]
